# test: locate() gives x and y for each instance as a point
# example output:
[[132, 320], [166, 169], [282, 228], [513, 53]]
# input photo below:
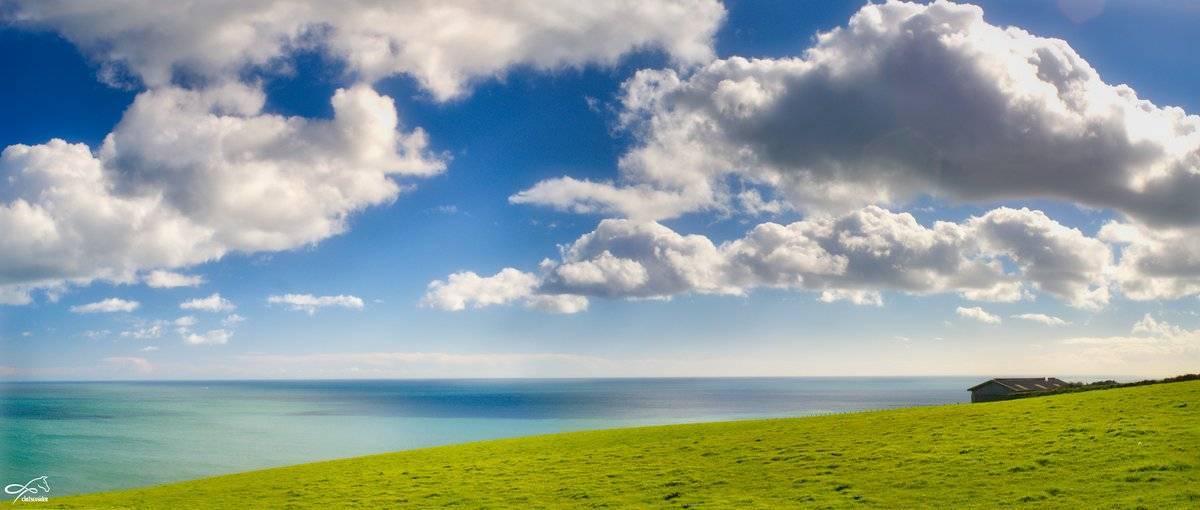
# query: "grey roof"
[[1026, 384]]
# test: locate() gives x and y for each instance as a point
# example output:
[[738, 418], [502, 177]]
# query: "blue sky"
[[519, 122]]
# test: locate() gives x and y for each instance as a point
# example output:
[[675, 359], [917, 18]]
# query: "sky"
[[564, 189]]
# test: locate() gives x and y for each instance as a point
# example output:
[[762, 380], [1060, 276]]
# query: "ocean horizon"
[[90, 436]]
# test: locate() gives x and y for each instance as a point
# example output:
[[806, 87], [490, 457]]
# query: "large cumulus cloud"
[[188, 176], [1003, 255], [905, 100], [1156, 263], [444, 45]]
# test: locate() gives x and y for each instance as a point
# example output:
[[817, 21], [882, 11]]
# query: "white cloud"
[[603, 274], [310, 303], [1156, 263], [110, 305], [232, 319], [753, 203], [145, 331], [443, 45], [1151, 343], [1041, 318], [186, 321], [16, 294], [162, 279], [211, 337], [149, 348], [1059, 260], [643, 260], [468, 289], [188, 176], [978, 314], [635, 201], [1002, 255], [557, 303], [214, 303], [858, 297], [906, 100]]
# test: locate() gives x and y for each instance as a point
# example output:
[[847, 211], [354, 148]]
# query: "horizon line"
[[551, 378]]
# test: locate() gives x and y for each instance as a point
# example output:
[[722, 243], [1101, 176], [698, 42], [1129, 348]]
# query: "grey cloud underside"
[[852, 256], [443, 45], [905, 100]]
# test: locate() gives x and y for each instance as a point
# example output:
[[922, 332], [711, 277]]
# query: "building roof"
[[1025, 384]]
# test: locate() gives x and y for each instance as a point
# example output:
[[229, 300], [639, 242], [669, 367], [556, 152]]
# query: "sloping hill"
[[1120, 448]]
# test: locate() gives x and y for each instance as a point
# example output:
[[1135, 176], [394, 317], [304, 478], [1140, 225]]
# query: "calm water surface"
[[91, 436]]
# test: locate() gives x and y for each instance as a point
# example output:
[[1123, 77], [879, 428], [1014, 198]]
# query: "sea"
[[96, 436]]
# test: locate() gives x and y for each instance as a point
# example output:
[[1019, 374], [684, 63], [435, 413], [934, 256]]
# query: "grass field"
[[1122, 448]]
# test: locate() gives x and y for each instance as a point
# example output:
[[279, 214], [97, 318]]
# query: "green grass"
[[1122, 448]]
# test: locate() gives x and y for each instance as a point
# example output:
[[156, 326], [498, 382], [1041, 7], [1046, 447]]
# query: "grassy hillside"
[[1123, 448]]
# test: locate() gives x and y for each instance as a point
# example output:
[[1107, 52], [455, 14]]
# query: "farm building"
[[1001, 389]]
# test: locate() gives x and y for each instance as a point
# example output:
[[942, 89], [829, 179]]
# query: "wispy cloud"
[[978, 314], [1162, 346], [110, 305], [211, 337], [1048, 320], [146, 331], [214, 303], [309, 303], [161, 279]]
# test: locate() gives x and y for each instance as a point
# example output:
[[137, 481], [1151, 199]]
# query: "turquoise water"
[[91, 436]]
